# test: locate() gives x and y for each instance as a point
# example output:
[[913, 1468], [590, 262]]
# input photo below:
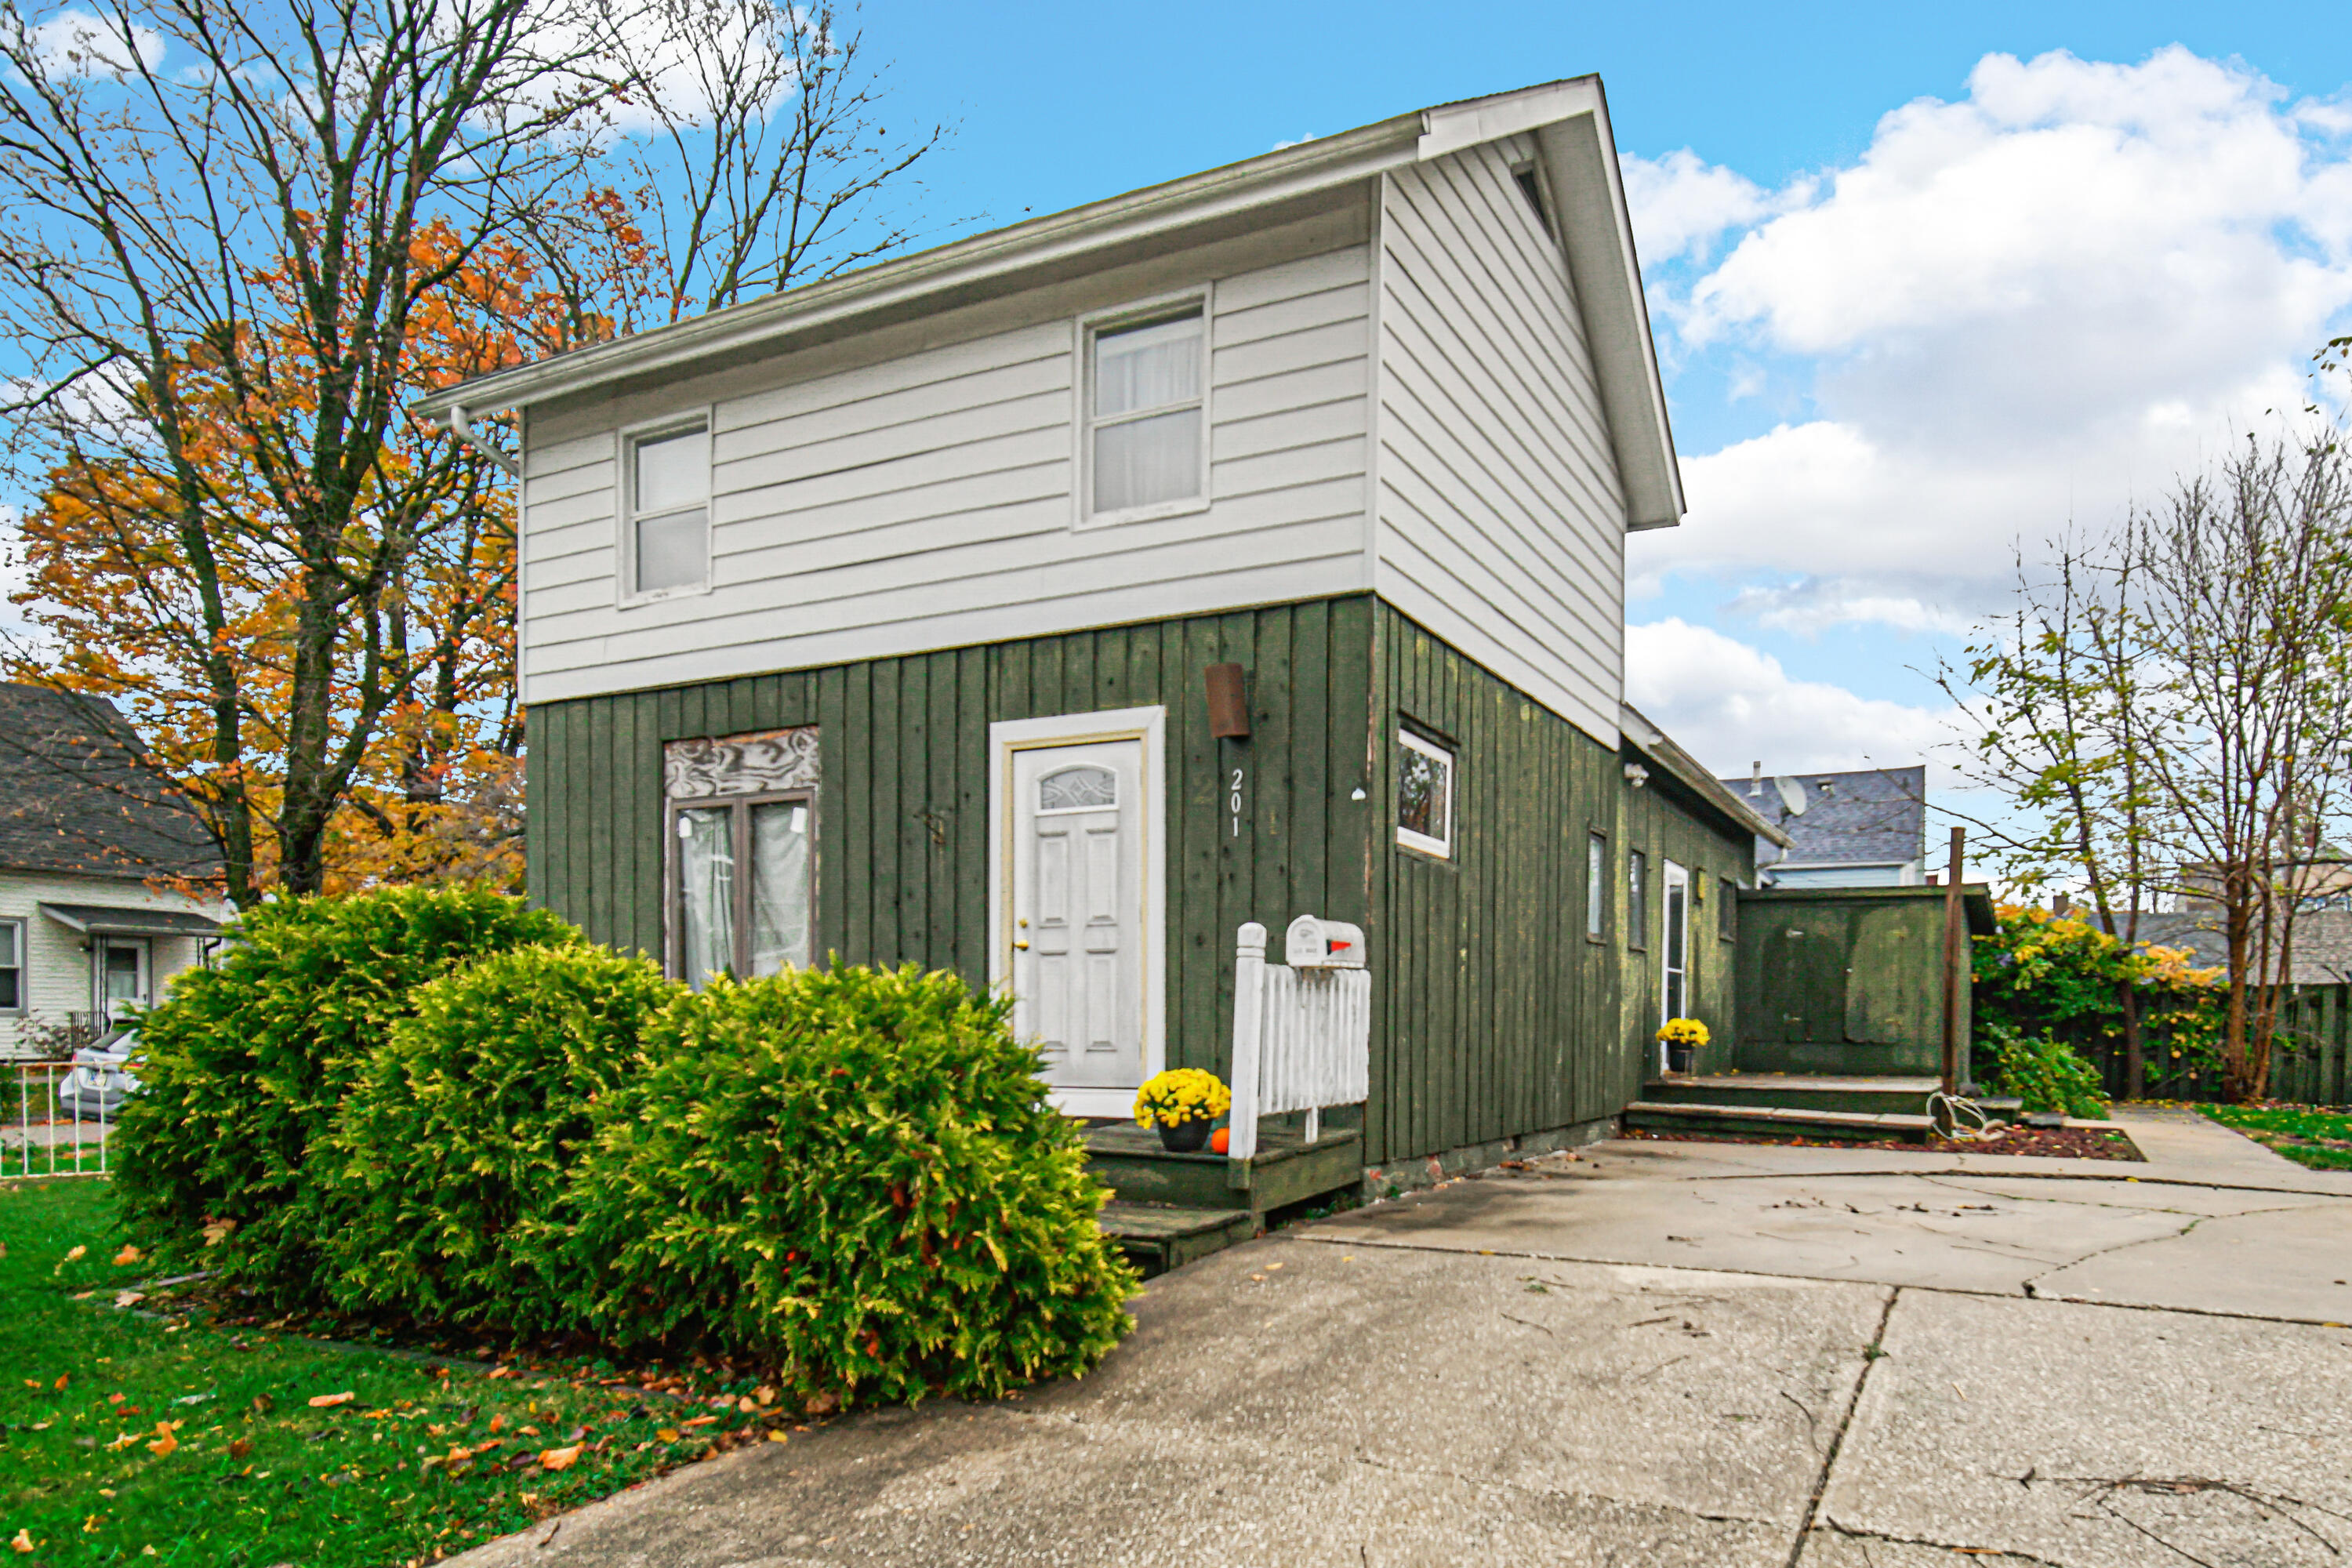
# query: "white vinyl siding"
[[1500, 514], [57, 979], [914, 489]]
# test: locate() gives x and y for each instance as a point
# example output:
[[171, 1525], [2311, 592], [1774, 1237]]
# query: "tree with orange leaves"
[[242, 238]]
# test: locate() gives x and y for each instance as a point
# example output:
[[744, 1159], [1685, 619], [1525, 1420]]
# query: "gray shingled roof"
[[1877, 815], [75, 796], [2323, 940]]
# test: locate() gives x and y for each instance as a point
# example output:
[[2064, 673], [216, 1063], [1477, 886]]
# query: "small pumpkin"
[[1221, 1141]]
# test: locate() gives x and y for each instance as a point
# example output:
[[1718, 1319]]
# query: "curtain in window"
[[780, 885], [1140, 460], [706, 882], [12, 970], [671, 552]]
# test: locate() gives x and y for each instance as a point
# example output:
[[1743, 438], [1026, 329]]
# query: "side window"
[[1727, 913], [1596, 886], [12, 967], [1425, 796], [1637, 899], [1146, 414], [668, 495], [742, 891]]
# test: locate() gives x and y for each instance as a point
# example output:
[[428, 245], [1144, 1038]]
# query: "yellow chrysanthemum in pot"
[[1181, 1103]]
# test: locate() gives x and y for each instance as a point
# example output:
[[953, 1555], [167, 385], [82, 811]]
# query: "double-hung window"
[[667, 480], [1146, 409], [12, 967]]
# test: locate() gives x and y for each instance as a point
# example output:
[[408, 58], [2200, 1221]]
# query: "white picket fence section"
[[1302, 1035], [41, 1133]]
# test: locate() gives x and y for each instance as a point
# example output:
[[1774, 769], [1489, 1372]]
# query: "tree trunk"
[[2134, 1046]]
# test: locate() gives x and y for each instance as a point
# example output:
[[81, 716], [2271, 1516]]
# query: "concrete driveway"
[[1650, 1353]]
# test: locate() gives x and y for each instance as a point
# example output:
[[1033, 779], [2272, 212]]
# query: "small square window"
[[1637, 899], [1146, 412], [1425, 796], [669, 510], [1596, 886]]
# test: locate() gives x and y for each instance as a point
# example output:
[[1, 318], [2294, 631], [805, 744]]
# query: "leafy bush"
[[2046, 1075], [460, 1138], [247, 1063], [2044, 976], [853, 1176]]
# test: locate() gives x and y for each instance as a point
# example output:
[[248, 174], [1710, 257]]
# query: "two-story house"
[[882, 618]]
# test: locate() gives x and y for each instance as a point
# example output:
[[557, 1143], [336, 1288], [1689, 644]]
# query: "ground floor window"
[[742, 853], [12, 967], [1425, 796]]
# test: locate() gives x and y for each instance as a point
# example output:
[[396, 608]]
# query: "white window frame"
[[1137, 313], [624, 489], [23, 928], [1440, 847]]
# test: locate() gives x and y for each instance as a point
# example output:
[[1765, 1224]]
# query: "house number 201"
[[1234, 803]]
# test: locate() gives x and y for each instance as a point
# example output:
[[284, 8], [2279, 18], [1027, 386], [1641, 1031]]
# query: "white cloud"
[[2022, 309], [1730, 704], [1680, 204], [76, 42]]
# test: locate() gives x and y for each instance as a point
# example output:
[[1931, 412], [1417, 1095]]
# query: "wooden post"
[[1249, 1014], [1955, 926]]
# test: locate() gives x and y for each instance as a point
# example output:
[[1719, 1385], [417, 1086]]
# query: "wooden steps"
[[1776, 1121], [1855, 1108], [1167, 1209], [1157, 1238]]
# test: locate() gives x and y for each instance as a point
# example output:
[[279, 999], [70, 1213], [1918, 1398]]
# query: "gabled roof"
[[77, 797], [1570, 121], [1875, 816]]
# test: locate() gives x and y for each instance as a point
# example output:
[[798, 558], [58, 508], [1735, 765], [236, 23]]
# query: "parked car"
[[102, 1078]]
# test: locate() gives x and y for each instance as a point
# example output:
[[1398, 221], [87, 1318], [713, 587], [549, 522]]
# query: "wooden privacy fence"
[[2311, 1056]]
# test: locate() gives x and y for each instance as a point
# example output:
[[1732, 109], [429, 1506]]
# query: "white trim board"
[[1008, 736]]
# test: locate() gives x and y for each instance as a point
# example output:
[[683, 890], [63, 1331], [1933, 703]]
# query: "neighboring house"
[[2322, 953], [882, 617], [102, 871], [1864, 829]]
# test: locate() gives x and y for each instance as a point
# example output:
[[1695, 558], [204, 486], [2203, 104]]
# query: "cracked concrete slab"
[[2293, 1262], [1291, 1402], [2085, 1437]]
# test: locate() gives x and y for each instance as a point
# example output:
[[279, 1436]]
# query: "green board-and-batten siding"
[[1492, 1017]]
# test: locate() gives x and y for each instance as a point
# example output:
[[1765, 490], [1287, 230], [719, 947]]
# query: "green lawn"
[[2319, 1138], [126, 1439]]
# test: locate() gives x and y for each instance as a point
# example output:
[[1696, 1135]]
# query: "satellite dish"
[[1792, 794]]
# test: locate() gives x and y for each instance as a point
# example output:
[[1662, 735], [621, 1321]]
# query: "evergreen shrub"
[[2045, 1074], [853, 1176], [458, 1143], [247, 1063]]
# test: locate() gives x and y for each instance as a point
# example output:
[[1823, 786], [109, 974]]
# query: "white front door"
[[1079, 902]]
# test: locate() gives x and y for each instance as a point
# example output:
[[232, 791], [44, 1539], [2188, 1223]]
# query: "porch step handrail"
[[1302, 1035]]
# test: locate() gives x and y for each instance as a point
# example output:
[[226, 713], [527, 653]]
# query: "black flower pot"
[[1682, 1058], [1185, 1137]]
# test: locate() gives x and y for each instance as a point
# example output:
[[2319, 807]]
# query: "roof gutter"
[[1659, 748]]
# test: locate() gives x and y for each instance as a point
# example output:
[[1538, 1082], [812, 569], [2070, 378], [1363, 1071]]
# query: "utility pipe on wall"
[[1954, 924]]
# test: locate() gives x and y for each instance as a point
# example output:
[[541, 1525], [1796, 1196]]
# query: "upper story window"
[[1146, 444], [1425, 796], [668, 521]]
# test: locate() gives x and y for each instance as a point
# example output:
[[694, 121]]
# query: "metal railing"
[[47, 1129]]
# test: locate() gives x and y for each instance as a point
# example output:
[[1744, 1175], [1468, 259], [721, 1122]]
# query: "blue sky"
[[1916, 301]]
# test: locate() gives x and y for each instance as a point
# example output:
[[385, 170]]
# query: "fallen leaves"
[[559, 1458], [165, 1444], [217, 1231], [322, 1401], [239, 1447], [24, 1541], [126, 1257], [129, 1298]]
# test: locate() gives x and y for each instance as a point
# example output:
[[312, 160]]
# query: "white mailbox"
[[1312, 944]]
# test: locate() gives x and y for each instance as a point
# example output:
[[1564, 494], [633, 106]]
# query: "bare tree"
[[2172, 710], [244, 235], [2242, 617]]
